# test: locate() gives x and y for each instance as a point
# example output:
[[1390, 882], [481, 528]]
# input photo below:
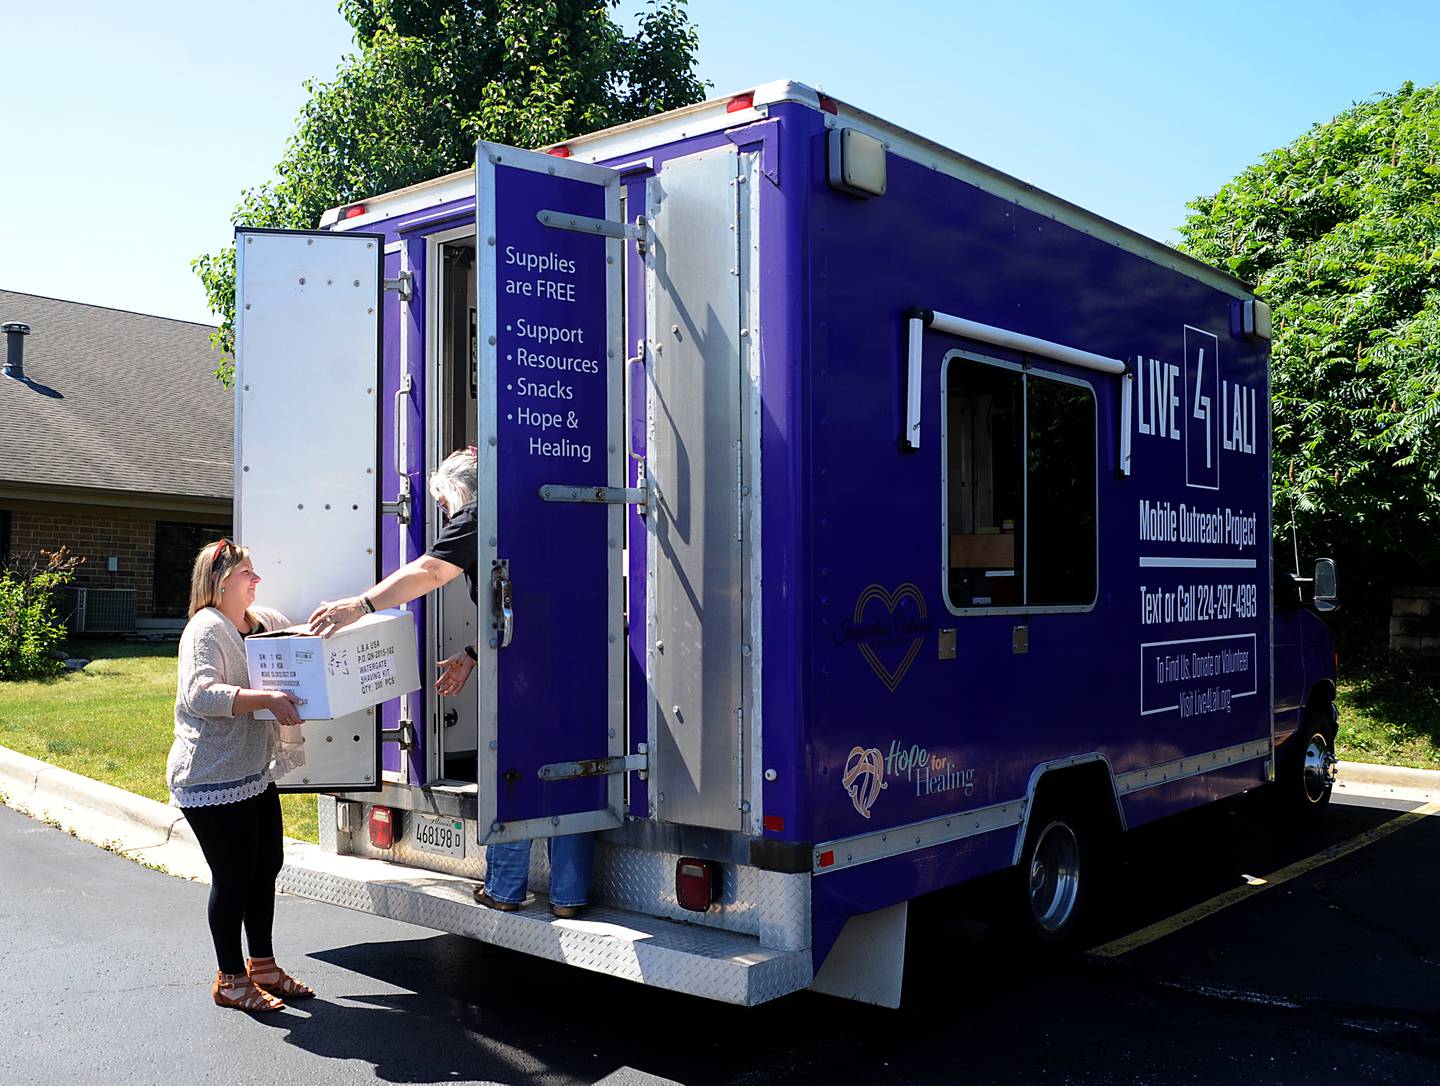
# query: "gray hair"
[[454, 480]]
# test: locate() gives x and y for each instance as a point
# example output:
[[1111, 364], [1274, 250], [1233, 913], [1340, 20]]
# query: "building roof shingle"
[[138, 409]]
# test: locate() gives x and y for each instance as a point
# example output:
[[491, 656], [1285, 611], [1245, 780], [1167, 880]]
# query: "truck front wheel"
[[1307, 772]]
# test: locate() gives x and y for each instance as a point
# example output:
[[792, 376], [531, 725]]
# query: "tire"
[[1306, 777], [1056, 870]]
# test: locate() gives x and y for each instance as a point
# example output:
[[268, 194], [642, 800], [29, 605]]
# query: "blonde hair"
[[213, 564], [454, 480]]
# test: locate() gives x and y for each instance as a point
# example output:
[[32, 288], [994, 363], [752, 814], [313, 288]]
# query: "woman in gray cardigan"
[[220, 774]]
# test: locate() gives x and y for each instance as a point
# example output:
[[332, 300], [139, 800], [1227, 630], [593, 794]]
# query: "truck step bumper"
[[707, 962]]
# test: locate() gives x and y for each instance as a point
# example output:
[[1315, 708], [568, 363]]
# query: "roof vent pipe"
[[15, 333]]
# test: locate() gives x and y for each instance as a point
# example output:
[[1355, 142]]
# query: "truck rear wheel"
[[1053, 878], [1056, 869]]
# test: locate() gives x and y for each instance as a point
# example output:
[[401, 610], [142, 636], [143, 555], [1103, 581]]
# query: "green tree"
[[1340, 233], [433, 76]]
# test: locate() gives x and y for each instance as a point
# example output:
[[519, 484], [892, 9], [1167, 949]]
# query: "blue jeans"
[[507, 869]]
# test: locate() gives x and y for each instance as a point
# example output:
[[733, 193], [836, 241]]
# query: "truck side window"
[[985, 480], [1060, 505], [1020, 488]]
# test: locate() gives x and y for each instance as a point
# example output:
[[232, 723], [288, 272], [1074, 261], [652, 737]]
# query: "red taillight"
[[739, 102], [697, 883], [559, 152], [354, 211], [829, 105], [382, 827], [774, 824], [827, 857]]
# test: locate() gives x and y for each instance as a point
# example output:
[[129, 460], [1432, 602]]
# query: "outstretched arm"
[[409, 582]]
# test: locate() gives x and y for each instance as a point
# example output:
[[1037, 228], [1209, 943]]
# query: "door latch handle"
[[501, 602]]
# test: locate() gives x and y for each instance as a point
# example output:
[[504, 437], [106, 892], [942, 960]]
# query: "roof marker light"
[[559, 152], [828, 104], [354, 211], [739, 102]]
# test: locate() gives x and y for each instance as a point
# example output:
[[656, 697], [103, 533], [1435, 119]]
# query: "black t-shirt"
[[456, 544]]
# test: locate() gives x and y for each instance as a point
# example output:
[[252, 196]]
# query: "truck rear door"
[[552, 741], [307, 379]]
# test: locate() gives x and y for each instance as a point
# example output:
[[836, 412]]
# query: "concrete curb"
[[157, 834], [1388, 781], [142, 829]]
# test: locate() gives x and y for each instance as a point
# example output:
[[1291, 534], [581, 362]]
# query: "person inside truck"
[[453, 486], [221, 773]]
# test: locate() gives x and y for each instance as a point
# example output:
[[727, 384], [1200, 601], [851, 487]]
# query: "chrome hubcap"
[[1054, 877], [1319, 771]]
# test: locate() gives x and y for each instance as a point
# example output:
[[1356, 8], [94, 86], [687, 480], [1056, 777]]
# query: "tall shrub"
[[30, 626]]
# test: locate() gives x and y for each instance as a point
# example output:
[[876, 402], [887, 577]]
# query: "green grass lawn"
[[113, 722], [1388, 715]]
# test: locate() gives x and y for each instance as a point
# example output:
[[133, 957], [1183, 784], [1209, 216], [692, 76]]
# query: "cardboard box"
[[982, 551], [370, 661]]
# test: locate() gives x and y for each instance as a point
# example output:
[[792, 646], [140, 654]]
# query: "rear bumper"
[[729, 966]]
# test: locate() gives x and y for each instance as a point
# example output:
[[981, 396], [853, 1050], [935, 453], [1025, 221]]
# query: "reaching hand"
[[329, 617], [454, 673]]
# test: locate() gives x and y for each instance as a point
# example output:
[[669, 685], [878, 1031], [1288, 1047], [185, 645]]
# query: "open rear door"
[[307, 380], [552, 740]]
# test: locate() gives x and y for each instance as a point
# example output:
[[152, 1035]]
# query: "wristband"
[[470, 652], [365, 603]]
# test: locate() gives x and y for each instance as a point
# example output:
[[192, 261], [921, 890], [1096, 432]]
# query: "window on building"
[[175, 548], [1020, 488], [4, 538]]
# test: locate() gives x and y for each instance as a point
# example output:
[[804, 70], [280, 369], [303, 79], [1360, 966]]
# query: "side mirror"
[[1325, 591]]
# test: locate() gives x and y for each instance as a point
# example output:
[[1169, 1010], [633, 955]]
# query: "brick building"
[[116, 441]]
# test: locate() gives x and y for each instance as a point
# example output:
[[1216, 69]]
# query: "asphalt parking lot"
[[1332, 975]]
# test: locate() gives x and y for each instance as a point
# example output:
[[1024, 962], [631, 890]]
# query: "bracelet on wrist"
[[367, 605], [470, 652]]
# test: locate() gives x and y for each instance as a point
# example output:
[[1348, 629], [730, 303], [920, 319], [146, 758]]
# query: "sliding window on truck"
[[1019, 488]]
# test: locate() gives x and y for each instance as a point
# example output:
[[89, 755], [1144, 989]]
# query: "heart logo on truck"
[[889, 642]]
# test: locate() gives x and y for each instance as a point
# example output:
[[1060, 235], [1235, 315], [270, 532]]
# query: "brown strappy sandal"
[[270, 978], [239, 991]]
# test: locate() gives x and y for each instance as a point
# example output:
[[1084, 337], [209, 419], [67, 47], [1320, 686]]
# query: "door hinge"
[[403, 285], [608, 228], [600, 495], [400, 507], [403, 734], [638, 762]]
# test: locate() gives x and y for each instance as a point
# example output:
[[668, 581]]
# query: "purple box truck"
[[855, 521]]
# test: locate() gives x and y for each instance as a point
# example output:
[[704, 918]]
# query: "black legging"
[[243, 845]]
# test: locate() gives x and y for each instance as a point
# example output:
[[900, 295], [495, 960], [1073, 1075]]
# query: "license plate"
[[442, 836]]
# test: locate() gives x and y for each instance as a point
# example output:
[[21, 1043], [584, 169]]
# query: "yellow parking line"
[[1170, 924]]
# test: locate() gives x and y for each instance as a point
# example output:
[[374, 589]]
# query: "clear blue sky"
[[129, 130]]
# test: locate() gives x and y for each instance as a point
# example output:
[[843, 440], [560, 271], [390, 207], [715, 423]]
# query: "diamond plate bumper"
[[722, 965]]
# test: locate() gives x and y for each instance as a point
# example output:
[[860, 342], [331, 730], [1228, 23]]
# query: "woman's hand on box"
[[282, 704], [454, 673]]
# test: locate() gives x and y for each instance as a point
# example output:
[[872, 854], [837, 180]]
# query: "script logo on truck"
[[897, 634], [864, 777]]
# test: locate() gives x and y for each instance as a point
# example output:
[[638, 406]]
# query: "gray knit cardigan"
[[216, 757]]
